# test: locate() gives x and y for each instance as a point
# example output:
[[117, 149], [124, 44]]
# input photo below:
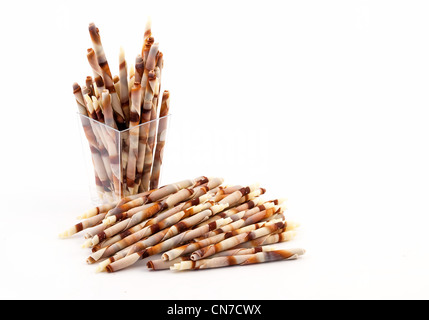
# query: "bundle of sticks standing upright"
[[192, 224], [124, 118]]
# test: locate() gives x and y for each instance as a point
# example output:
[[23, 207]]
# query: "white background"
[[322, 102]]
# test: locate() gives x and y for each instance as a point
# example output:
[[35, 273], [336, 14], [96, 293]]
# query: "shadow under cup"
[[122, 163]]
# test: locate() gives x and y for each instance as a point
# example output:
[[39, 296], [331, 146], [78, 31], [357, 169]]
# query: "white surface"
[[322, 102]]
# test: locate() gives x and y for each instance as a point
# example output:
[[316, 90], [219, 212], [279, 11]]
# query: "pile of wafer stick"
[[192, 224], [124, 118]]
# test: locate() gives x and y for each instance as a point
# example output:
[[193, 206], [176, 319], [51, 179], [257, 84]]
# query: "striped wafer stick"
[[89, 85], [260, 208], [107, 109], [134, 133], [92, 59], [86, 124], [131, 77], [160, 264], [149, 152], [97, 108], [269, 239], [144, 132], [144, 163], [157, 90], [97, 210], [225, 191], [139, 69], [279, 215], [106, 74], [242, 251], [99, 85], [100, 133], [236, 240], [260, 257], [98, 48], [161, 138], [85, 224], [99, 166], [147, 40], [133, 197], [148, 43], [112, 146], [235, 196], [123, 79], [149, 85], [117, 84]]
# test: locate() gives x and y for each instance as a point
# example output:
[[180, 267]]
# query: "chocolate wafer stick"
[[99, 167], [123, 79], [269, 239], [260, 257], [106, 75], [160, 264], [154, 86], [161, 138], [87, 223], [144, 131], [97, 210], [134, 133], [147, 39], [92, 60]]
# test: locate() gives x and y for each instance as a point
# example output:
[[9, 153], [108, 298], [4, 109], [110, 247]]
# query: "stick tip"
[[87, 244], [175, 267], [64, 235], [99, 269], [102, 265], [290, 235], [109, 220], [298, 251], [150, 265]]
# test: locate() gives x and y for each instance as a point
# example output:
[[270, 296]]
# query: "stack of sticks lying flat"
[[193, 224], [122, 120]]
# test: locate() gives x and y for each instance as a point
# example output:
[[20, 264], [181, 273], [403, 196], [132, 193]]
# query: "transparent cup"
[[122, 163]]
